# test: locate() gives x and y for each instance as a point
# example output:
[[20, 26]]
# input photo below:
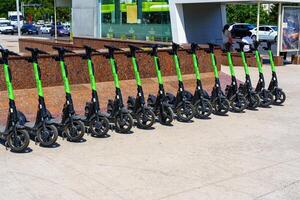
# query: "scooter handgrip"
[[89, 49], [13, 53], [29, 49], [42, 52], [133, 47]]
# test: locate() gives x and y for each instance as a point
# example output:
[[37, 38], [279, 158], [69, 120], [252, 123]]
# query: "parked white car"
[[265, 33], [6, 28], [45, 29]]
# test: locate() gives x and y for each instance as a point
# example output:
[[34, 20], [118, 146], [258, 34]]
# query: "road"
[[253, 155]]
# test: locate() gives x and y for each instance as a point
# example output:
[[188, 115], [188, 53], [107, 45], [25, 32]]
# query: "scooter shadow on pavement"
[[27, 150]]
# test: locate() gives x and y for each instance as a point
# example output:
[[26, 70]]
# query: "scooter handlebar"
[[256, 45], [269, 46], [62, 50], [89, 49], [36, 51], [8, 52], [112, 48]]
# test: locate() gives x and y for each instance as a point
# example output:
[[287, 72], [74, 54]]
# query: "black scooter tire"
[[167, 117], [51, 137], [14, 145], [266, 98], [221, 106], [203, 109], [120, 126], [239, 106], [147, 116], [75, 135], [279, 97], [253, 101], [100, 127], [185, 111]]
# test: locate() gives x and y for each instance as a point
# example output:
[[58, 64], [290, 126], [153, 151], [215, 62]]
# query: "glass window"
[[262, 28], [136, 19], [268, 29]]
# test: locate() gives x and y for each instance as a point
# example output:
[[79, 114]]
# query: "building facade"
[[125, 19]]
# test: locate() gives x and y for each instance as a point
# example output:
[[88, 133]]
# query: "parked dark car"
[[29, 29], [240, 30], [61, 31]]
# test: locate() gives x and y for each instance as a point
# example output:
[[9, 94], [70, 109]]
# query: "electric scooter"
[[72, 125], [97, 121], [238, 102], [266, 97], [279, 95], [143, 115], [181, 104], [14, 134], [118, 114], [43, 129], [218, 100], [202, 105], [246, 89], [159, 103]]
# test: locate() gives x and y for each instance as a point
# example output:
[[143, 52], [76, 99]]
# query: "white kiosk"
[[202, 21]]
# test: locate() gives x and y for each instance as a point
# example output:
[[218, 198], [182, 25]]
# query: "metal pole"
[[139, 11], [55, 21], [279, 32], [18, 18], [258, 21]]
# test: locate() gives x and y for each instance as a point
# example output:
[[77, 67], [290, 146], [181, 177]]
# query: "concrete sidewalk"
[[254, 155]]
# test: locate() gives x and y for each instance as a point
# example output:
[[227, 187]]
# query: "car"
[[6, 28], [266, 33], [240, 30], [29, 29], [45, 29], [61, 31]]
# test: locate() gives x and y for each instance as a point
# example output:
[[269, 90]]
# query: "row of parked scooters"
[[163, 107]]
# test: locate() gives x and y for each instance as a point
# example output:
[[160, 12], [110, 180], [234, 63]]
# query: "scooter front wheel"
[[203, 109], [75, 131], [99, 127], [253, 101], [167, 116], [124, 123], [238, 103], [145, 119], [279, 97], [221, 106], [18, 141], [47, 136], [266, 98], [185, 112]]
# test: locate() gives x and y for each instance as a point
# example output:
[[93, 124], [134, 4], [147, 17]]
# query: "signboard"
[[290, 28], [131, 14]]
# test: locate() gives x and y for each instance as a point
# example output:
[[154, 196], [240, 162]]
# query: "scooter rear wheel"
[[48, 136], [75, 131], [253, 101], [124, 123], [238, 103], [203, 109], [221, 106], [167, 117], [18, 141], [279, 97], [146, 119], [266, 98], [99, 127], [185, 111]]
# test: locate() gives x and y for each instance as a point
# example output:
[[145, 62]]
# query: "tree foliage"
[[243, 13], [45, 12]]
